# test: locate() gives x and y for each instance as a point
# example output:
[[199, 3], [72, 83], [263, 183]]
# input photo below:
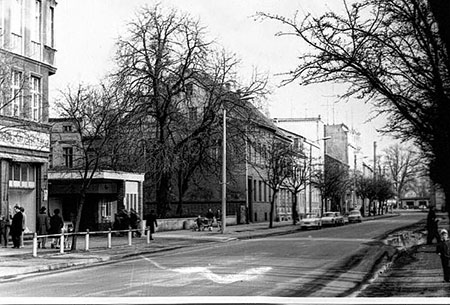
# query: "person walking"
[[443, 250], [56, 225], [151, 223], [16, 227], [43, 226], [432, 227]]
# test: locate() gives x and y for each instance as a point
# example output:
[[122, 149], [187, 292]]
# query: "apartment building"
[[27, 52]]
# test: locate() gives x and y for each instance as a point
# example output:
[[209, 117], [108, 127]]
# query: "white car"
[[354, 216], [332, 219], [310, 221]]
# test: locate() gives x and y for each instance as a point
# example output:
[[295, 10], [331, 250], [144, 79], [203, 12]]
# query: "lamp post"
[[224, 171]]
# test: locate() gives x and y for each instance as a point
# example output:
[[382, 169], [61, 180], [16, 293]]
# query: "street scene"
[[234, 151]]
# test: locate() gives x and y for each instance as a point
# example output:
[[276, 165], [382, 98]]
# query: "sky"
[[86, 31]]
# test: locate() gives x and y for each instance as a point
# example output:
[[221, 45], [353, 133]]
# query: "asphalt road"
[[318, 263]]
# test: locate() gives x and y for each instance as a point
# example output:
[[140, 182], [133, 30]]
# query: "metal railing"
[[63, 235]]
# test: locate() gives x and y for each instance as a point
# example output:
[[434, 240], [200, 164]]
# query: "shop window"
[[106, 211], [21, 175]]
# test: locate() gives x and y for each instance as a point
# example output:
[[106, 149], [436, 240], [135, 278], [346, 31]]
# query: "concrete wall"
[[172, 224]]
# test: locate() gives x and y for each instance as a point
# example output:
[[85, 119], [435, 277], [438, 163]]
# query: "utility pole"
[[224, 171], [374, 159], [310, 176]]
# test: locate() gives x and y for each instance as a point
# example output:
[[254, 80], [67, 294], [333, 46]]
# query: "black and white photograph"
[[224, 152]]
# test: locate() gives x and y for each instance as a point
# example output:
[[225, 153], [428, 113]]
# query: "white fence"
[[63, 238]]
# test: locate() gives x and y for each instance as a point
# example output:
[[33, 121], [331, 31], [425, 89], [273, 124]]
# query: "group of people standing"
[[15, 226]]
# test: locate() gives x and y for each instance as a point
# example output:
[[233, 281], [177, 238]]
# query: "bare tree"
[[393, 54], [403, 166], [98, 119], [332, 182], [272, 164], [177, 81], [296, 182]]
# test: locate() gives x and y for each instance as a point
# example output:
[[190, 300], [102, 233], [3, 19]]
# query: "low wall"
[[172, 224]]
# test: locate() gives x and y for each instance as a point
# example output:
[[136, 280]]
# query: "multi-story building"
[[27, 53], [312, 129]]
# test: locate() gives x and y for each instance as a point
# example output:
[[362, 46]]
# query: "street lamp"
[[224, 165]]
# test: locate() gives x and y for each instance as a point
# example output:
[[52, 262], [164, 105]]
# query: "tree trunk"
[[162, 196], [78, 218], [272, 209], [294, 209]]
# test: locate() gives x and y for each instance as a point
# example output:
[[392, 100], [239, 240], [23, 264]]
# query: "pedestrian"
[[210, 217], [56, 225], [151, 223], [218, 217], [6, 224], [16, 227], [43, 226], [432, 226], [443, 250], [24, 225]]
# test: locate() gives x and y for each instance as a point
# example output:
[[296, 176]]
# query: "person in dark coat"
[[443, 250], [432, 227], [16, 227], [134, 222], [151, 222], [56, 225], [43, 226]]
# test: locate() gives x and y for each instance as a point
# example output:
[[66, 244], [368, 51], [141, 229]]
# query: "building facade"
[[27, 54], [109, 191]]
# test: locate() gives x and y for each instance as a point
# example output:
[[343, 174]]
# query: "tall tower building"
[[27, 54]]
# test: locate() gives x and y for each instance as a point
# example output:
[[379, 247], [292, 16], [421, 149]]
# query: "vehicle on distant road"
[[332, 219], [311, 221], [354, 216]]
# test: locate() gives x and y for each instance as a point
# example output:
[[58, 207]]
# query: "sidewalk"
[[416, 272]]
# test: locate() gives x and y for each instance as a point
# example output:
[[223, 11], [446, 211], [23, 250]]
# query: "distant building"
[[26, 63]]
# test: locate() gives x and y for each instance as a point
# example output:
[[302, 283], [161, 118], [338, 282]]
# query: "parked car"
[[354, 216], [332, 219], [310, 221]]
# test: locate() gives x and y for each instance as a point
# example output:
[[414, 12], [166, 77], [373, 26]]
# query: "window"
[[36, 22], [16, 17], [36, 98], [68, 156], [67, 128], [106, 210], [16, 93], [21, 175], [50, 28], [260, 191]]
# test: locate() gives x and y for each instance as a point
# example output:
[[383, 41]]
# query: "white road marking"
[[246, 275]]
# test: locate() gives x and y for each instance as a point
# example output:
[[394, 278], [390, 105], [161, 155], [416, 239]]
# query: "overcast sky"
[[87, 29]]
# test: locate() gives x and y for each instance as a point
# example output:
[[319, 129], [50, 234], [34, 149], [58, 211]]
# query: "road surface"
[[318, 263]]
